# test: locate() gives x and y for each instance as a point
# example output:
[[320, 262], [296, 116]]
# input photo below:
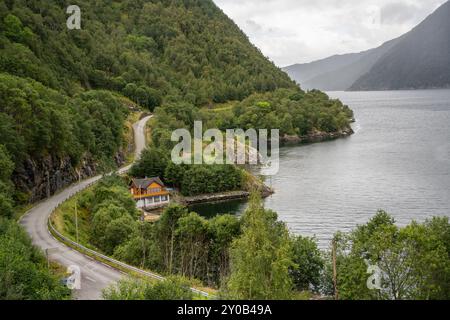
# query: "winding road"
[[95, 276]]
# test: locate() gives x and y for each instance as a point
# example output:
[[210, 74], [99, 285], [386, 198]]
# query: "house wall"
[[153, 201]]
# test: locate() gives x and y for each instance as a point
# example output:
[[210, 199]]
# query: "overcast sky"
[[298, 31]]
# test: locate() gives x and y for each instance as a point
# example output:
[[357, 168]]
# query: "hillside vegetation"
[[177, 49], [255, 257], [60, 90], [65, 96]]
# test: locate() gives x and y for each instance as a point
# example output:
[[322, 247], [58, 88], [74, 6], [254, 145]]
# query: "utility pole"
[[143, 244], [47, 255], [48, 259], [336, 293], [76, 222]]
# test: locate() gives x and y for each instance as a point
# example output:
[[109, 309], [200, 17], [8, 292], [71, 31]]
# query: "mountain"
[[184, 49], [339, 72], [64, 93], [419, 59], [303, 73]]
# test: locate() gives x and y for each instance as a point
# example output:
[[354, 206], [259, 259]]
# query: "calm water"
[[398, 161]]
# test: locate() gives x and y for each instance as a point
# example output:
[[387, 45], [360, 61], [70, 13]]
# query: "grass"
[[303, 295], [129, 146], [250, 182], [63, 219], [148, 131], [20, 211], [221, 106]]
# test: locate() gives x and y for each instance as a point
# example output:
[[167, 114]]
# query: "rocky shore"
[[222, 197], [256, 184], [216, 197], [317, 136]]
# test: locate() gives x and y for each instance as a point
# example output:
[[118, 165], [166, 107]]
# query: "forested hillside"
[[64, 92], [179, 49], [55, 124]]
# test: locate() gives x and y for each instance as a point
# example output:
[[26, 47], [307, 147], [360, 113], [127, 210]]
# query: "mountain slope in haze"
[[417, 60], [344, 77], [303, 73], [338, 72], [420, 60]]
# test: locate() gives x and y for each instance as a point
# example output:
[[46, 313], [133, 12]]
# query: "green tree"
[[174, 174], [6, 169], [111, 226], [23, 269], [413, 260], [308, 264], [223, 230], [141, 249], [260, 257], [6, 203], [153, 163], [165, 233], [193, 242], [114, 194], [173, 288], [6, 164], [14, 29]]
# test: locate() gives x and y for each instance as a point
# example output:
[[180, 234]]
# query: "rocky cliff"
[[39, 179]]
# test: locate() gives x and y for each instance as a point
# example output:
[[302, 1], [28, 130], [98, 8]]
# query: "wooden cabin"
[[149, 192]]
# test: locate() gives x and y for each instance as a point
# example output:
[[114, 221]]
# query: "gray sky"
[[298, 31]]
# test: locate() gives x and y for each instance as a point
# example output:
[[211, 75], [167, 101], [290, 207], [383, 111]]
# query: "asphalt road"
[[95, 276]]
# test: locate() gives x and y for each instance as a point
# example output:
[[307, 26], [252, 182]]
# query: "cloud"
[[297, 31], [398, 13]]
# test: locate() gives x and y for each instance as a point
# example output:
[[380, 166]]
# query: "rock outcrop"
[[38, 179], [317, 136]]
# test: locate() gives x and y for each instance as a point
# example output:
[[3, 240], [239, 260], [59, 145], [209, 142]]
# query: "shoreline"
[[316, 137], [257, 184], [216, 197]]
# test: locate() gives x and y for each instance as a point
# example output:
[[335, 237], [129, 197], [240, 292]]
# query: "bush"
[[153, 163], [173, 288], [309, 264], [23, 269]]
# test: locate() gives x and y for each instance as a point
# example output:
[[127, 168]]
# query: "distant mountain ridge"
[[420, 59]]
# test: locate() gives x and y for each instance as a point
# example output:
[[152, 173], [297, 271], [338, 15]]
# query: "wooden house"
[[149, 192]]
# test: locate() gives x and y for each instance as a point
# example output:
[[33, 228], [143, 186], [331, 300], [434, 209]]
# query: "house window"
[[164, 198]]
